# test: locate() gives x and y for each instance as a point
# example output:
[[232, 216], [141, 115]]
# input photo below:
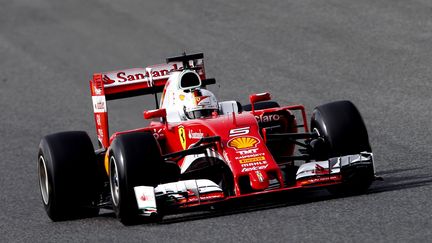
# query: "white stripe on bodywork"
[[189, 159]]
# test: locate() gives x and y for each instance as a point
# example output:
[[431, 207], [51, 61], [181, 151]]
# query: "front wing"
[[192, 193]]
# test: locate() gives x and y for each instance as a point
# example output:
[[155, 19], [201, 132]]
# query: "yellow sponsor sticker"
[[251, 160]]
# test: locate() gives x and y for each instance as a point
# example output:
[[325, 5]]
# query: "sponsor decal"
[[243, 142], [182, 136], [319, 170], [254, 164], [145, 198], [100, 133], [138, 75], [211, 196], [239, 131], [99, 104], [245, 156], [248, 151], [320, 180], [254, 168], [259, 175], [98, 91], [157, 133], [98, 120], [195, 135], [181, 97], [253, 159], [107, 80], [268, 118], [249, 156]]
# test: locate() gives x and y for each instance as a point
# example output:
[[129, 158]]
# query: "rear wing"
[[136, 81]]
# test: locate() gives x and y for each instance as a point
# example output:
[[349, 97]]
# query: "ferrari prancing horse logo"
[[182, 136]]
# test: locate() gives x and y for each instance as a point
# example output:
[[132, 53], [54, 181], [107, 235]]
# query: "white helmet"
[[199, 103]]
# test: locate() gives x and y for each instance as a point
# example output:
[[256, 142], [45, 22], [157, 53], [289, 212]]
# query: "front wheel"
[[342, 132], [342, 129], [134, 160]]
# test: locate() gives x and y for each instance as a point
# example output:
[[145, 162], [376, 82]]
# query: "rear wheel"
[[342, 132], [67, 172], [135, 160]]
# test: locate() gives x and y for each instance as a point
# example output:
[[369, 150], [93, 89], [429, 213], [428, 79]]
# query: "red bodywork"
[[242, 142]]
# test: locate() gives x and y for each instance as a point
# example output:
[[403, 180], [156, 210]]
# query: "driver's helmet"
[[199, 103]]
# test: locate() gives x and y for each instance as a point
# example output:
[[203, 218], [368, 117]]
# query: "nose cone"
[[258, 180]]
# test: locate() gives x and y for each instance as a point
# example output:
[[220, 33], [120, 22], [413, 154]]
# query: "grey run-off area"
[[376, 53]]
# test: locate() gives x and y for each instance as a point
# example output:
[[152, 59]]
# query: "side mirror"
[[155, 114], [257, 98]]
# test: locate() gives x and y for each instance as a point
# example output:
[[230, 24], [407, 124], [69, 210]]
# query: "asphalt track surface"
[[376, 53]]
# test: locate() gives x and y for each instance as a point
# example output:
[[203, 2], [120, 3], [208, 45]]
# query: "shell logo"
[[243, 142]]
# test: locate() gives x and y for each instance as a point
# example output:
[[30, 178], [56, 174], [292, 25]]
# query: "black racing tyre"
[[68, 175], [261, 105], [343, 132], [342, 128], [134, 160]]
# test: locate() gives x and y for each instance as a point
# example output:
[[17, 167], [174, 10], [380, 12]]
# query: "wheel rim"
[[114, 181], [43, 180]]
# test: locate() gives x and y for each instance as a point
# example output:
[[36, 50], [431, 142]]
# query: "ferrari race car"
[[196, 150]]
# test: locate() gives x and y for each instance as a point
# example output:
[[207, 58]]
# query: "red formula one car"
[[197, 151]]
